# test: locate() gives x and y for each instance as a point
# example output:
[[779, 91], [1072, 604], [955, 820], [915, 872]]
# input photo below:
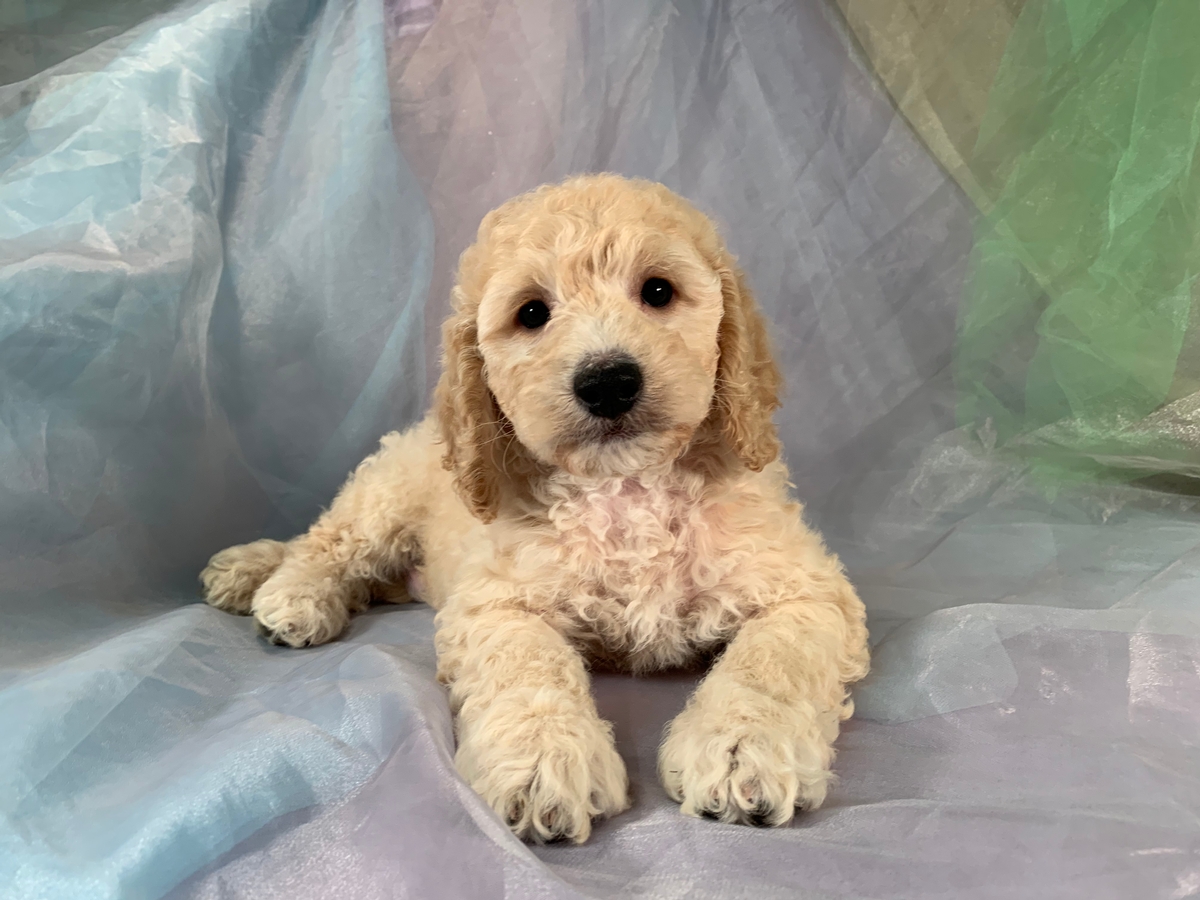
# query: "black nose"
[[610, 388]]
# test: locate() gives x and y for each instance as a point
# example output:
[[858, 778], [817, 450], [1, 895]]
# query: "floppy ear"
[[748, 381], [470, 421]]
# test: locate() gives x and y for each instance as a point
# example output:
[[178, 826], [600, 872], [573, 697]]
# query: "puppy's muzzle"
[[609, 388]]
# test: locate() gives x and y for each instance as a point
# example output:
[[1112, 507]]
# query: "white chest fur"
[[648, 566]]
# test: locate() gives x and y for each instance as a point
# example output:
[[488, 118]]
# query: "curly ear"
[[748, 381], [471, 424]]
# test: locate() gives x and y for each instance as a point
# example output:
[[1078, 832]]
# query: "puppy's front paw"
[[233, 575], [300, 613], [740, 756], [546, 767]]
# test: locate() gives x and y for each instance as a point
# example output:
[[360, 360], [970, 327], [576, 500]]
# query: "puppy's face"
[[598, 325], [598, 331]]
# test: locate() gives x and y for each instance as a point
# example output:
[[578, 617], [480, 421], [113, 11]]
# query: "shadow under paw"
[[278, 637]]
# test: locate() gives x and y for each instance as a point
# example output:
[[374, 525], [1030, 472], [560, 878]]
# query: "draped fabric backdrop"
[[228, 230]]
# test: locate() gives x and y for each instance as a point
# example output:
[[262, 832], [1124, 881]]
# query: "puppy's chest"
[[651, 566]]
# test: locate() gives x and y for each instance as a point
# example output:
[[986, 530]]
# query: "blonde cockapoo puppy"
[[599, 482]]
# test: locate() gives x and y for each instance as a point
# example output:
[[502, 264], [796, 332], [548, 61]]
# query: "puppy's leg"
[[530, 740], [233, 575], [756, 739], [369, 536]]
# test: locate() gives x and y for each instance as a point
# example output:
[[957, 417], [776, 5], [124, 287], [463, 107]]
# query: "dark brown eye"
[[533, 314], [657, 292]]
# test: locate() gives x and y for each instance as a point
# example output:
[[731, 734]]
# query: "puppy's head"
[[600, 327]]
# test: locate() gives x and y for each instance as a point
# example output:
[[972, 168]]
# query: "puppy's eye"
[[533, 314], [657, 292]]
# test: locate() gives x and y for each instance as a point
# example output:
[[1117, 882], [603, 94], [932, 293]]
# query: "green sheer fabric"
[[1077, 344]]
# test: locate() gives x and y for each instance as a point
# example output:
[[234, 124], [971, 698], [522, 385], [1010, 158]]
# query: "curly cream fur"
[[546, 545]]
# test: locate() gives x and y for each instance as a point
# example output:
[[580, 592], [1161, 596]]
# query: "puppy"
[[598, 483]]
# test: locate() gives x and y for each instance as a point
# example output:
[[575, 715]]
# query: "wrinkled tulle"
[[227, 236]]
